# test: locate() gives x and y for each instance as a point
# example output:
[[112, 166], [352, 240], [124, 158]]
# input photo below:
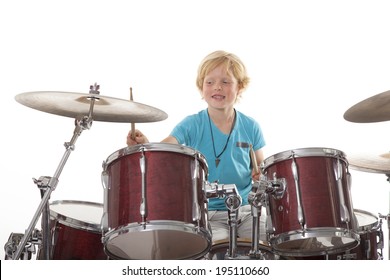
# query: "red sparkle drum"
[[75, 230], [371, 241], [220, 248], [310, 209], [371, 238], [155, 206]]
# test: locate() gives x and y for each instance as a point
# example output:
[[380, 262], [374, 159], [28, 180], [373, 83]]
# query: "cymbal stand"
[[48, 184]]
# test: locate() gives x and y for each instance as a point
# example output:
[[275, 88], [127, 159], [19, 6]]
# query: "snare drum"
[[310, 207], [76, 231], [155, 206]]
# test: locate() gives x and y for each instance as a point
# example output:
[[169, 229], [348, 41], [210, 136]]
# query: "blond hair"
[[233, 64]]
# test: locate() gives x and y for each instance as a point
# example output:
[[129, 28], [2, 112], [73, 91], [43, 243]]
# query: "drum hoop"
[[240, 241], [304, 152], [158, 225], [72, 222], [164, 147], [368, 227], [313, 232]]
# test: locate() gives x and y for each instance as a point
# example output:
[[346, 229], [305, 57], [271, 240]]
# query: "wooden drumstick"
[[253, 159], [132, 124]]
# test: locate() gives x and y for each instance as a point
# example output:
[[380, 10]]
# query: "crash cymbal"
[[373, 109], [369, 163], [107, 109]]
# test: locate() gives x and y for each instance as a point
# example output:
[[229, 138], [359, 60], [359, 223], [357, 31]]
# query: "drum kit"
[[148, 212]]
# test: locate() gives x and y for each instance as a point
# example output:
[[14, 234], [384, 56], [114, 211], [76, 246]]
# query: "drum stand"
[[257, 198], [233, 202], [47, 185], [255, 252]]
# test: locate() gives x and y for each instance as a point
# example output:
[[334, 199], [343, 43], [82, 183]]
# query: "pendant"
[[217, 160]]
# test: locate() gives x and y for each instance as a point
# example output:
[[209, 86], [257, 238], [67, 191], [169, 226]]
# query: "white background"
[[309, 62]]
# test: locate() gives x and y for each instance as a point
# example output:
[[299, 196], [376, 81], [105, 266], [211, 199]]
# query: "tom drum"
[[155, 206], [310, 207], [76, 230]]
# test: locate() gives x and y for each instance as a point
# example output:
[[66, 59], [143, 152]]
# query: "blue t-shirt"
[[234, 166]]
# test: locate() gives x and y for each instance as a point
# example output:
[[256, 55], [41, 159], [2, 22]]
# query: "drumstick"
[[253, 159], [132, 124]]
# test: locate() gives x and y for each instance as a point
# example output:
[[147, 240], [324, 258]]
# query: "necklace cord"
[[227, 141]]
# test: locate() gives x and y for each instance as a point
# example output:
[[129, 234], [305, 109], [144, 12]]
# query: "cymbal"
[[107, 109], [369, 163], [373, 109]]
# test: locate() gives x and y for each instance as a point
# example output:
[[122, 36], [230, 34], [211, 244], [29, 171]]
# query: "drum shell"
[[168, 188], [369, 231], [319, 195], [73, 238], [175, 199]]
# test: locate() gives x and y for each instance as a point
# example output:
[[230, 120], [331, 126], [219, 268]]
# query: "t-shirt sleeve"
[[183, 131]]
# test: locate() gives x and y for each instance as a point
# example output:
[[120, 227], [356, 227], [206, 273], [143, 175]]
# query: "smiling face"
[[221, 79], [220, 89]]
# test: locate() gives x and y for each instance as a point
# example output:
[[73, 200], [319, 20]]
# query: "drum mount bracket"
[[276, 187], [229, 192], [14, 240], [45, 181]]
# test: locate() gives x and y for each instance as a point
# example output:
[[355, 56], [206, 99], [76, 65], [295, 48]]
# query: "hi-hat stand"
[[47, 185]]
